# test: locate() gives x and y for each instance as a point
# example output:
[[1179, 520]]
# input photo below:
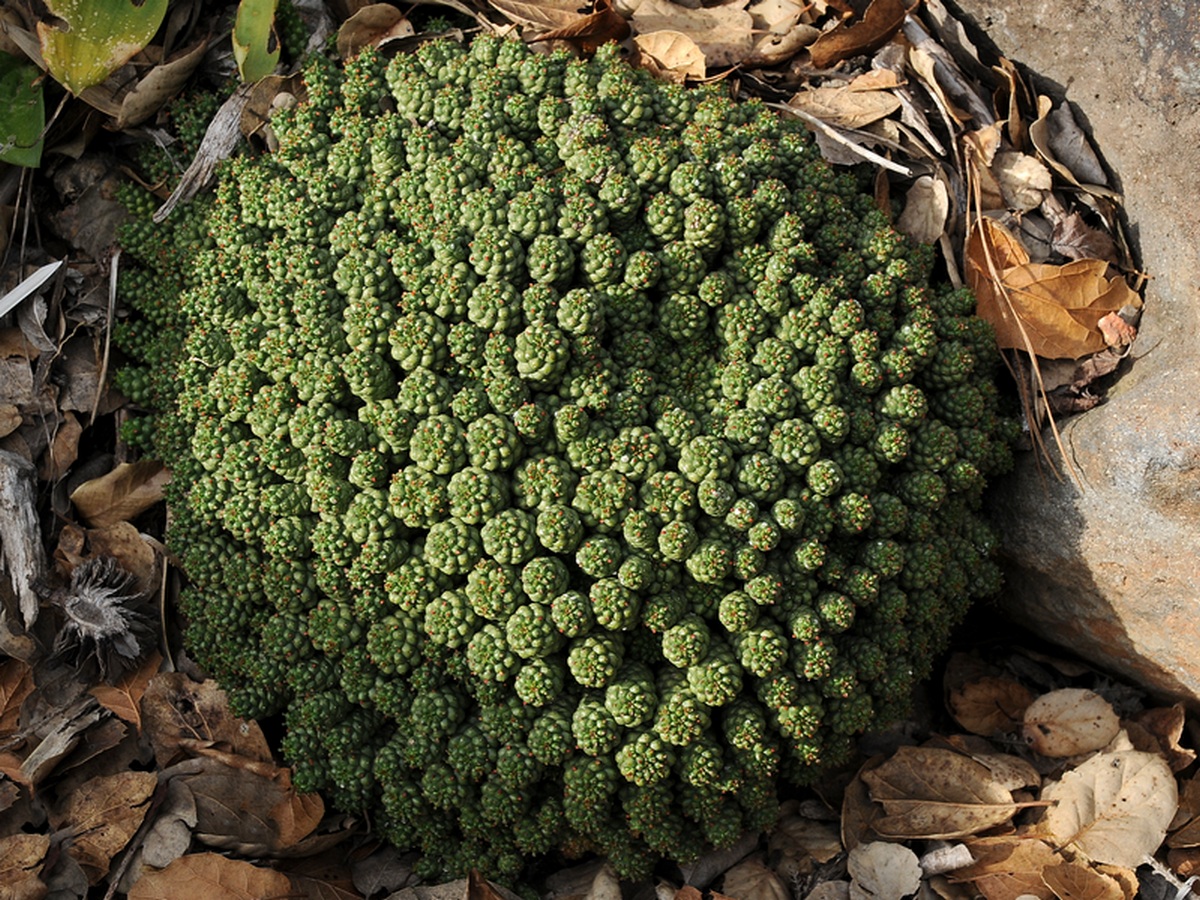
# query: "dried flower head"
[[108, 623]]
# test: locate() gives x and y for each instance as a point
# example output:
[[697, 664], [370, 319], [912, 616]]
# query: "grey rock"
[[1108, 564]]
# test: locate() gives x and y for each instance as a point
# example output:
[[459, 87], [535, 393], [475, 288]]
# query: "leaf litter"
[[970, 156]]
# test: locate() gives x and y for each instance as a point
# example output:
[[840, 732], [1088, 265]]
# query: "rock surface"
[[1110, 566]]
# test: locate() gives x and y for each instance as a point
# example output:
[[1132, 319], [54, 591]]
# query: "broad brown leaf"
[[751, 880], [1051, 311], [1068, 722], [798, 844], [934, 793], [213, 877], [1114, 807], [16, 683], [602, 25], [1064, 146], [671, 56], [1077, 881], [124, 697], [1008, 866], [1166, 724], [881, 21], [372, 26], [989, 705], [22, 857], [159, 86], [103, 814], [725, 34], [176, 709], [542, 14], [122, 494], [844, 107]]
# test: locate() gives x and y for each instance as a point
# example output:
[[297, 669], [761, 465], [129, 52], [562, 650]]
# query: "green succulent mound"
[[568, 457]]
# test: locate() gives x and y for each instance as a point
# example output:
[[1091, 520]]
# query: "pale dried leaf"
[[123, 698], [103, 814], [22, 857], [10, 419], [131, 549], [878, 25], [176, 709], [798, 844], [989, 705], [159, 85], [1065, 148], [16, 683], [926, 206], [671, 55], [771, 48], [212, 876], [1076, 881], [124, 493], [725, 34], [776, 16], [1008, 867], [845, 108], [830, 890], [1022, 179], [605, 886], [63, 450], [935, 793], [1068, 722], [884, 870], [542, 14], [1011, 772], [372, 26], [28, 286], [1051, 311], [1114, 808], [751, 880]]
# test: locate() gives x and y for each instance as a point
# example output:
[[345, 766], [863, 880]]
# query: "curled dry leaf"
[[844, 107], [671, 55], [127, 491], [1008, 866], [159, 85], [123, 697], [725, 34], [926, 206], [603, 24], [1166, 724], [1064, 146], [1051, 311], [1114, 807], [1068, 722], [102, 816], [879, 23], [1023, 181], [223, 879], [1117, 332], [990, 705], [880, 869], [932, 793], [799, 844], [372, 26], [1077, 881], [751, 880], [176, 709], [16, 683]]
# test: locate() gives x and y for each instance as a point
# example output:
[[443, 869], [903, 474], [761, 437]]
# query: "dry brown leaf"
[[544, 15], [877, 80], [159, 85], [296, 815], [122, 494], [925, 66], [372, 26], [989, 705], [1184, 863], [1011, 772], [878, 25], [1051, 311], [776, 16], [479, 888], [212, 876], [670, 55], [845, 108], [1076, 881], [602, 25], [16, 683], [124, 543], [123, 698], [1116, 331], [798, 844], [1075, 239], [22, 857], [176, 709], [10, 419], [884, 870], [926, 206], [63, 450], [935, 793], [1064, 146], [1166, 723], [859, 813], [1114, 807], [751, 880], [1068, 722], [1008, 867], [725, 34], [1023, 181], [103, 815]]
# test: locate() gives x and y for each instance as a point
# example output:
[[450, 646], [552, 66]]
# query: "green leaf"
[[100, 37], [22, 112], [255, 45]]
